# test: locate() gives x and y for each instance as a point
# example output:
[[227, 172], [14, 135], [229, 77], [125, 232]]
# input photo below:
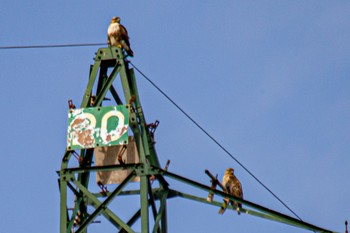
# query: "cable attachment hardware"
[[79, 158], [131, 103], [132, 99], [70, 104], [103, 188], [167, 165], [153, 177], [93, 100], [151, 128], [346, 227], [78, 219], [120, 154]]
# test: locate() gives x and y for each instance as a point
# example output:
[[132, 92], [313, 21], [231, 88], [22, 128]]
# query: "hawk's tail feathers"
[[223, 207], [127, 48], [130, 53]]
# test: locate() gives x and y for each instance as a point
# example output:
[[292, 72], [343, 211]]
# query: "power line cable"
[[172, 101], [51, 46], [214, 140]]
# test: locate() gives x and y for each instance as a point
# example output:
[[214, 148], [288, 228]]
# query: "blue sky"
[[268, 79]]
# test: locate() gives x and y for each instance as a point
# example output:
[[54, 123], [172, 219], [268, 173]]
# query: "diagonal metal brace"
[[101, 207], [273, 215], [107, 85]]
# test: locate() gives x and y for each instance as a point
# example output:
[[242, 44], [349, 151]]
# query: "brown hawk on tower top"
[[233, 187], [118, 36]]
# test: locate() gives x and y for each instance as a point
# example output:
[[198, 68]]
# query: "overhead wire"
[[173, 102], [50, 46], [214, 140]]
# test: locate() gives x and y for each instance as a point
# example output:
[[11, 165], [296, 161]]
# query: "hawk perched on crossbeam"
[[233, 187], [118, 36]]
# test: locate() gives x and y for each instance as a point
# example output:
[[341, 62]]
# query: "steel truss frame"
[[109, 62]]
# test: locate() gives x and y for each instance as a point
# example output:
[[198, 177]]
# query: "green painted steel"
[[89, 120], [263, 211], [81, 205]]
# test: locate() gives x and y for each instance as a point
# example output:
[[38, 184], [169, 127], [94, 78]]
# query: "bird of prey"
[[118, 36], [233, 187]]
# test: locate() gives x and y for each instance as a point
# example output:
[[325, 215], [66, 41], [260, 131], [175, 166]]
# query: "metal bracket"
[[80, 159], [70, 104], [346, 227], [217, 182], [152, 127], [120, 154], [93, 100], [103, 188]]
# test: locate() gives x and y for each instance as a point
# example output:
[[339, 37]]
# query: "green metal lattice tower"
[[109, 62], [82, 201]]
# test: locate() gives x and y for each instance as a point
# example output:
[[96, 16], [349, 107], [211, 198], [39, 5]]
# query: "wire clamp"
[[120, 154], [103, 188], [70, 104]]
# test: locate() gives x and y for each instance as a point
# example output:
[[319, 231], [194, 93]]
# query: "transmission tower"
[[117, 144]]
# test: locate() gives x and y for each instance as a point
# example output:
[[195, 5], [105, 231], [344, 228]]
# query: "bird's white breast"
[[114, 34], [113, 29]]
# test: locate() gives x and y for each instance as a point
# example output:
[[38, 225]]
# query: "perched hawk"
[[233, 187], [118, 36]]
